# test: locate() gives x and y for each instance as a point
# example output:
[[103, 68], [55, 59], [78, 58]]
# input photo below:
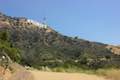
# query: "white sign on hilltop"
[[41, 25]]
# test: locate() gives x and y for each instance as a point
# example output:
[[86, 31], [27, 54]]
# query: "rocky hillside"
[[39, 45]]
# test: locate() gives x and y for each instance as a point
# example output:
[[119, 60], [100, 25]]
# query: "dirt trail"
[[39, 75]]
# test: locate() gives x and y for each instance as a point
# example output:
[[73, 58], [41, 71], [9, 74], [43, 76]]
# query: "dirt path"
[[39, 75]]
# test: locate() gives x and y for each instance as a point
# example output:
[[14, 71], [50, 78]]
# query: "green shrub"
[[5, 45]]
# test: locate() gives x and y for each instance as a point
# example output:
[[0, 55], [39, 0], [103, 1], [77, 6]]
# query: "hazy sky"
[[95, 20]]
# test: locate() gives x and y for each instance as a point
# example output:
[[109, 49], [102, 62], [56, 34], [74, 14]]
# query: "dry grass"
[[20, 73], [41, 75], [112, 74]]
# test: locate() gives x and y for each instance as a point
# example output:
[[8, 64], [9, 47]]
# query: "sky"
[[94, 20]]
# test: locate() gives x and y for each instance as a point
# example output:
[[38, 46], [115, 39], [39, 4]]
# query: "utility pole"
[[44, 20]]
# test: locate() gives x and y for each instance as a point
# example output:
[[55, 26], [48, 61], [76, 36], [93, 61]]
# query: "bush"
[[4, 35], [5, 45]]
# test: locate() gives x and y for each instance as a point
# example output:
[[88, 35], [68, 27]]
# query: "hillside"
[[37, 45]]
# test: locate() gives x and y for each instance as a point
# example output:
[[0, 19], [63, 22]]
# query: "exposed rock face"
[[114, 49], [5, 76]]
